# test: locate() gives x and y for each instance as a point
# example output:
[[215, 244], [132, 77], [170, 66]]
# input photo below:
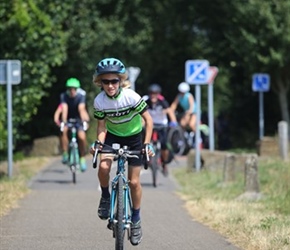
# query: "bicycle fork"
[[127, 205]]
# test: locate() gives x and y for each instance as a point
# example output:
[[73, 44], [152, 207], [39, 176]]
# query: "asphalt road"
[[58, 215]]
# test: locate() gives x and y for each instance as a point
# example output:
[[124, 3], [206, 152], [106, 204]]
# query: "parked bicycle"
[[73, 149], [120, 201]]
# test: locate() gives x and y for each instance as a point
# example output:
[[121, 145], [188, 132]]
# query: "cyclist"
[[73, 106], [186, 100], [119, 112], [158, 108]]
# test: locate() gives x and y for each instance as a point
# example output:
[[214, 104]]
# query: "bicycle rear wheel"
[[176, 139], [119, 226]]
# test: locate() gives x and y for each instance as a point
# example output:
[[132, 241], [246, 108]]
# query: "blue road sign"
[[196, 71], [261, 82], [15, 71]]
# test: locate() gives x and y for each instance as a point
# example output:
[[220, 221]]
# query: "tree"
[[32, 36], [254, 35]]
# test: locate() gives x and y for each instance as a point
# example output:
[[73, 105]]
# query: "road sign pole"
[[211, 117], [197, 131], [261, 115], [9, 119]]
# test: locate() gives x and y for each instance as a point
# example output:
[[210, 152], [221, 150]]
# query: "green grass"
[[261, 224], [14, 188]]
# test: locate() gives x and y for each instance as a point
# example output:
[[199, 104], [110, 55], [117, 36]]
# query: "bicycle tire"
[[154, 168], [73, 164], [119, 226], [176, 138]]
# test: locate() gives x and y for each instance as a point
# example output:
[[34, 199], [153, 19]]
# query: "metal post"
[[210, 116], [261, 115], [197, 132], [283, 139], [9, 119]]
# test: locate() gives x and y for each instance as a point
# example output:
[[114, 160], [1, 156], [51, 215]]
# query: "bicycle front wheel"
[[154, 168], [73, 163], [119, 226]]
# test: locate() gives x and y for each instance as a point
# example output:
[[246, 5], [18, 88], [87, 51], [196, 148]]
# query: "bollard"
[[229, 168], [251, 174], [283, 139]]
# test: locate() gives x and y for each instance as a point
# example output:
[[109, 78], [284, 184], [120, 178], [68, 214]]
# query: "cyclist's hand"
[[62, 124], [85, 125], [173, 124], [149, 150], [94, 146]]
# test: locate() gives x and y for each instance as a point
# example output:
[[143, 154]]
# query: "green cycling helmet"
[[110, 65], [73, 83]]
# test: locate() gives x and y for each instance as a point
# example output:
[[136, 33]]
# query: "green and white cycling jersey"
[[122, 113]]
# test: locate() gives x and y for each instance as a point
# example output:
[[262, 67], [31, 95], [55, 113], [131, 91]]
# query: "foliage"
[[57, 39], [37, 40]]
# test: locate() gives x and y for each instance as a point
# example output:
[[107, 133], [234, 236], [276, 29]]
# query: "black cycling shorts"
[[134, 142]]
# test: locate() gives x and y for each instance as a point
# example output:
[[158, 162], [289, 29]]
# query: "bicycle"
[[120, 201], [183, 139], [156, 161], [73, 150]]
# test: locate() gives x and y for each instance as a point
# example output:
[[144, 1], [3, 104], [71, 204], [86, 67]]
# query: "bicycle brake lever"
[[95, 157]]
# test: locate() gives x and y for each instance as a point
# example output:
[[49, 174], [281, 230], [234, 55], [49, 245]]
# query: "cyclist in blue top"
[[186, 100], [119, 112]]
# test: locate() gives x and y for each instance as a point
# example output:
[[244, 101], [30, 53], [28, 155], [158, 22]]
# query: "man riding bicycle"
[[158, 108], [119, 112], [73, 106]]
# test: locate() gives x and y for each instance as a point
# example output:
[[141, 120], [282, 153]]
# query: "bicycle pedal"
[[110, 225]]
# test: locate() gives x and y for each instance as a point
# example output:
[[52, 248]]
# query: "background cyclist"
[[119, 112], [73, 106], [158, 108], [186, 101]]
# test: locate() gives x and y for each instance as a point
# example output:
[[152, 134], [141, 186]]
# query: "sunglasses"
[[108, 81]]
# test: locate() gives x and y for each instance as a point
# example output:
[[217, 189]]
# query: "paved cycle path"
[[58, 215]]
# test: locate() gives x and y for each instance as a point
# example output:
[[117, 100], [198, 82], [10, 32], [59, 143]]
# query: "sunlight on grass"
[[263, 224], [11, 190]]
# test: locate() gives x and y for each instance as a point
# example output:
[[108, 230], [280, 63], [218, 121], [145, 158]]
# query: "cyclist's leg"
[[164, 150], [82, 142], [64, 144], [135, 185], [104, 178], [184, 121], [136, 194], [82, 148], [192, 122]]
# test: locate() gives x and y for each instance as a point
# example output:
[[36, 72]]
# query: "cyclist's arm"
[[101, 130], [174, 104], [83, 112], [148, 126], [57, 113], [171, 115], [64, 113]]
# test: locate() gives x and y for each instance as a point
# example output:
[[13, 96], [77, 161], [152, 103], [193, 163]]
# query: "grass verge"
[[13, 189], [251, 225]]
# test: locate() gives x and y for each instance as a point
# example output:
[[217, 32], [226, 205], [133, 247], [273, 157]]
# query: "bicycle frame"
[[120, 202], [74, 158], [126, 194]]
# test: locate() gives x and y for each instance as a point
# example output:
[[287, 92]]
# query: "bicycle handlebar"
[[72, 123], [123, 151]]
